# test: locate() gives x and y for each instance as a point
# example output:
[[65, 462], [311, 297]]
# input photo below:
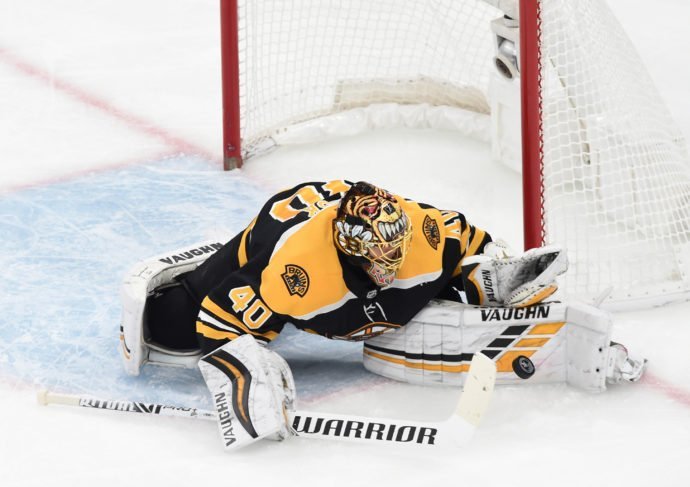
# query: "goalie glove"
[[252, 389], [497, 279]]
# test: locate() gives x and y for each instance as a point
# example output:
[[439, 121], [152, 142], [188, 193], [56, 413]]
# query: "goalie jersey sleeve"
[[285, 267]]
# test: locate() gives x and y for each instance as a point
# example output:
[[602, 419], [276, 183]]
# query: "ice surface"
[[85, 192], [65, 248]]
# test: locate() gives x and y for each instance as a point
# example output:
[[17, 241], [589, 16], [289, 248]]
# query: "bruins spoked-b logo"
[[431, 232], [296, 280]]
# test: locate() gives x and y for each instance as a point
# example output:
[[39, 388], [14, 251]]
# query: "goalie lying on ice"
[[354, 262]]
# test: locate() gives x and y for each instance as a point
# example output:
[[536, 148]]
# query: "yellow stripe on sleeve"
[[464, 239], [213, 333], [476, 242], [242, 252]]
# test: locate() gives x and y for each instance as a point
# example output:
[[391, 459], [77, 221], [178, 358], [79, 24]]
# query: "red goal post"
[[532, 181], [230, 72]]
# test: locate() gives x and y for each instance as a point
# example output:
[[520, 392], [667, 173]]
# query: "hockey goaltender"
[[352, 261]]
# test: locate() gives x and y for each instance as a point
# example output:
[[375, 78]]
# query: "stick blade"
[[479, 386]]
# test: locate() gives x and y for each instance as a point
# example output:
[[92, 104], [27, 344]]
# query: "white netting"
[[304, 59], [617, 183], [616, 178]]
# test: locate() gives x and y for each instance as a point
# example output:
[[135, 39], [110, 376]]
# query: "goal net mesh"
[[616, 180], [616, 177]]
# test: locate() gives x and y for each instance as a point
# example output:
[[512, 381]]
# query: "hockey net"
[[613, 179]]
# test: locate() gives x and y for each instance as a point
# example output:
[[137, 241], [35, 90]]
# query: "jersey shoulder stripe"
[[213, 333]]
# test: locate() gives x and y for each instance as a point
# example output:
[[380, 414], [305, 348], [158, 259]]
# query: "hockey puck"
[[523, 367]]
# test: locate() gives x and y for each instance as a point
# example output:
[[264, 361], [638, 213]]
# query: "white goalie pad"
[[139, 283], [253, 392], [547, 343]]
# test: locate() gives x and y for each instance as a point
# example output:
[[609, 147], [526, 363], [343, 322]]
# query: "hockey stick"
[[457, 430]]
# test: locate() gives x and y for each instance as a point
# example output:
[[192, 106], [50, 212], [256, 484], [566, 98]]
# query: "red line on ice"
[[133, 121], [674, 392]]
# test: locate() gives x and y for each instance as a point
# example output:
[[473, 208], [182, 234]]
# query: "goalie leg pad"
[[139, 283], [252, 389], [548, 343]]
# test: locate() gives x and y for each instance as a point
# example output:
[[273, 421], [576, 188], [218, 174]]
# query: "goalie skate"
[[623, 367]]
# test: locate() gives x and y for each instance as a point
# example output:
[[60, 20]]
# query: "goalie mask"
[[372, 227]]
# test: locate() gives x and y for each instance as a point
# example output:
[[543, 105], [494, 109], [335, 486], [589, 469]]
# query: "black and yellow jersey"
[[284, 267]]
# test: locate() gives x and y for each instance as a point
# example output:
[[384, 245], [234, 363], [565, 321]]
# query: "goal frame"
[[230, 79], [531, 117], [595, 175], [530, 111]]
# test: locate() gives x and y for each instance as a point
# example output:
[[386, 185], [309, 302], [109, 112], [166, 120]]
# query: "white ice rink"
[[110, 143]]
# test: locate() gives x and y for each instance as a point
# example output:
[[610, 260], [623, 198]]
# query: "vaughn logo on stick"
[[367, 430]]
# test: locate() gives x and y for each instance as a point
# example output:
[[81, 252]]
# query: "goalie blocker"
[[547, 343]]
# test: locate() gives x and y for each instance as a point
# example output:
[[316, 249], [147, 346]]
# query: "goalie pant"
[[547, 343]]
